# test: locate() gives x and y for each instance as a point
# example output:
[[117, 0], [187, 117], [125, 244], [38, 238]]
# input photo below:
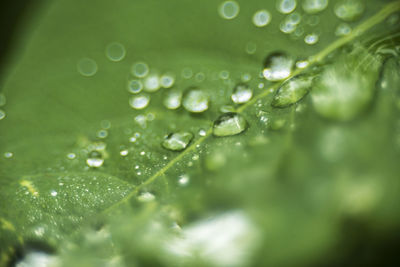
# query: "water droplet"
[[251, 48], [229, 124], [195, 101], [167, 80], [311, 38], [102, 134], [202, 132], [229, 9], [292, 91], [224, 74], [241, 94], [95, 159], [3, 100], [227, 108], [199, 77], [139, 102], [115, 52], [140, 69], [146, 197], [286, 6], [152, 83], [38, 259], [8, 155], [343, 29], [177, 141], [187, 73], [349, 10], [183, 180], [314, 6], [173, 99], [71, 155], [53, 193], [135, 86], [124, 152], [132, 139], [301, 64], [287, 27], [261, 18], [246, 77], [87, 67], [2, 114], [278, 66]]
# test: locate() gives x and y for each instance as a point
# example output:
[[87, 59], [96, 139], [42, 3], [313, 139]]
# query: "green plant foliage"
[[106, 161]]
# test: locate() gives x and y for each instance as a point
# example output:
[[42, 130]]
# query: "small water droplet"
[[135, 86], [53, 193], [229, 9], [102, 134], [278, 66], [146, 197], [152, 83], [187, 73], [311, 38], [349, 10], [292, 91], [95, 159], [314, 6], [287, 26], [2, 114], [173, 99], [3, 100], [124, 152], [87, 67], [241, 94], [183, 180], [115, 52], [301, 64], [8, 155], [224, 74], [177, 141], [139, 102], [251, 48], [167, 80], [343, 29], [286, 6], [227, 108], [196, 101], [71, 155], [202, 132], [229, 124], [261, 18], [140, 69]]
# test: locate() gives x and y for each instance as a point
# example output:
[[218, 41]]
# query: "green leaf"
[[85, 170]]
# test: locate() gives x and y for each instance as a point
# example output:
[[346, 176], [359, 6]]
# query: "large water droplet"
[[87, 67], [173, 99], [195, 101], [140, 69], [95, 159], [286, 6], [115, 52], [278, 66], [177, 141], [139, 102], [229, 9], [314, 6], [261, 18], [241, 94], [292, 91], [349, 10], [229, 124]]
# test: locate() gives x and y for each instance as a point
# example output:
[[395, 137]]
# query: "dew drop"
[[177, 141], [140, 69], [53, 193], [183, 180], [95, 159], [349, 10], [3, 100], [202, 132], [314, 6], [229, 9], [261, 18], [146, 197], [139, 102], [251, 48], [124, 152], [167, 80], [173, 99], [229, 124], [227, 109], [71, 156], [292, 91], [135, 86], [2, 114], [8, 155], [343, 29], [115, 52], [286, 6], [102, 134], [187, 73], [301, 64], [278, 66], [311, 38], [87, 67], [195, 101], [241, 94], [152, 83]]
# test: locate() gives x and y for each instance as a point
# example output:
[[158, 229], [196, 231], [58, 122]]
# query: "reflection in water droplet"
[[229, 9], [95, 159], [229, 124], [314, 6], [261, 18], [311, 38], [167, 80], [195, 101], [140, 69], [87, 67], [278, 66], [292, 91], [135, 86], [349, 10], [343, 29], [152, 83], [286, 6], [177, 141], [241, 94], [115, 52], [139, 102], [2, 114], [173, 99]]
